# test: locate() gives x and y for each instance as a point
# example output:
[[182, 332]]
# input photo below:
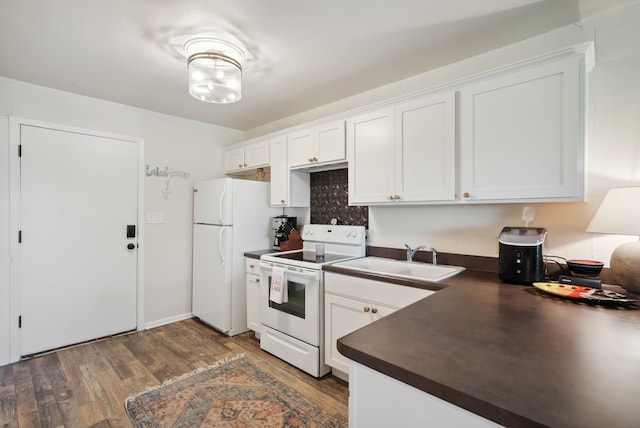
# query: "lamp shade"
[[619, 213]]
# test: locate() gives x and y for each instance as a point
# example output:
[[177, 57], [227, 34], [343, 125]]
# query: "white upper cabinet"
[[517, 135], [425, 148], [370, 151], [522, 135], [404, 153], [288, 188], [247, 157], [319, 145]]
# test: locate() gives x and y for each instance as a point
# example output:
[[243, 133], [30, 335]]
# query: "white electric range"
[[294, 330]]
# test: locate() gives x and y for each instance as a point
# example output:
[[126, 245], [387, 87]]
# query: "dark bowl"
[[585, 267]]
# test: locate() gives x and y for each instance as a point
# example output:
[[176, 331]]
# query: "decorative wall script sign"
[[168, 173]]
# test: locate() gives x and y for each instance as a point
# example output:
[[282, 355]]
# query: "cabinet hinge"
[[19, 321], [19, 150], [19, 237]]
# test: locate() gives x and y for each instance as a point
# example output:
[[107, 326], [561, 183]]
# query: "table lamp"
[[619, 214]]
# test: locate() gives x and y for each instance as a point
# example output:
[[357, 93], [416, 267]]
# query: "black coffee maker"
[[282, 226]]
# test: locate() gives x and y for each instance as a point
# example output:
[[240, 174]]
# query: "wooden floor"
[[86, 385]]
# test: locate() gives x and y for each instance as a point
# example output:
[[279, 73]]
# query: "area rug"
[[230, 393]]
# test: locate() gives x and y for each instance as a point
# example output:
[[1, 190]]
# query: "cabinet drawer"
[[252, 266]]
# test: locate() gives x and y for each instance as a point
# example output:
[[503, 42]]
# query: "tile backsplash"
[[330, 199]]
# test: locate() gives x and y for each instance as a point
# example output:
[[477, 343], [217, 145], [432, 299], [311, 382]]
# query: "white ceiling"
[[302, 53]]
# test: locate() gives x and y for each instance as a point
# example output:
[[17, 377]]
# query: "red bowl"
[[585, 267]]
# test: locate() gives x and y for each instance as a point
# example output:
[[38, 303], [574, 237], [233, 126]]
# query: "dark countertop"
[[510, 353], [257, 253]]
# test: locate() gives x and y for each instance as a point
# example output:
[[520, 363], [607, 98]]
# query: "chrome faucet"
[[412, 252], [434, 256]]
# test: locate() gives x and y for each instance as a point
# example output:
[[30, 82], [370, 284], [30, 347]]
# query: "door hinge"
[[19, 237], [19, 150], [19, 321]]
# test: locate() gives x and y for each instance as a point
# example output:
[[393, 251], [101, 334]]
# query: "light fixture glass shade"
[[215, 69], [215, 78], [619, 213]]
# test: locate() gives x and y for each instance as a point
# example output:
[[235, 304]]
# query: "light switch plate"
[[155, 217]]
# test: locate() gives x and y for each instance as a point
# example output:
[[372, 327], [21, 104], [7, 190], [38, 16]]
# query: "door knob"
[[131, 246]]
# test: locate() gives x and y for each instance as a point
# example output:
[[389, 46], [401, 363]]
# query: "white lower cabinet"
[[351, 303], [377, 400], [253, 295], [344, 316]]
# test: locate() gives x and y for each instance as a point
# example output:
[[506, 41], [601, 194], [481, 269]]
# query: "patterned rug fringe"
[[181, 377]]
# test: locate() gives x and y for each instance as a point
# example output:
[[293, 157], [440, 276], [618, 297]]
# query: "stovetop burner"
[[341, 242], [310, 256]]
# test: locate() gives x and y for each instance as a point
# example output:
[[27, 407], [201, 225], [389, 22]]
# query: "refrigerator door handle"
[[220, 246], [221, 207]]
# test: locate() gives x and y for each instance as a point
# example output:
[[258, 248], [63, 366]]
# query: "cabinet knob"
[[366, 309], [258, 281], [246, 164], [465, 195], [239, 165], [396, 197], [315, 159], [252, 266], [374, 310], [310, 159], [282, 201], [390, 197]]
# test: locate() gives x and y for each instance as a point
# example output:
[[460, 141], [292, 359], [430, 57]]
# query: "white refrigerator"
[[230, 217]]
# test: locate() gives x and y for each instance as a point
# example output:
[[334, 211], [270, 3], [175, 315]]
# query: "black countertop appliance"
[[520, 258]]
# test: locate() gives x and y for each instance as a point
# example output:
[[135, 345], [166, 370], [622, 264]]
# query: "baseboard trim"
[[169, 320]]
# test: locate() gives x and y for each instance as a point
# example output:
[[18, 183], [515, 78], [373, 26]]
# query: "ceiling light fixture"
[[215, 69]]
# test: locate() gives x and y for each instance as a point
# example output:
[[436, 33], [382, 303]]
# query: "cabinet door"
[[279, 172], [288, 188], [253, 302], [425, 148], [256, 154], [520, 135], [330, 142], [370, 152], [234, 159], [344, 316], [301, 148]]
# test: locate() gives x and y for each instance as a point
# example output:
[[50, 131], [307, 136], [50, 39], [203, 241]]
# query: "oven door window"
[[296, 303]]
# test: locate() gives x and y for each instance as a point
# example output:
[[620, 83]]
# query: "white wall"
[[613, 147], [172, 142]]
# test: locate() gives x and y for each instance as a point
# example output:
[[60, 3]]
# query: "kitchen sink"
[[411, 270]]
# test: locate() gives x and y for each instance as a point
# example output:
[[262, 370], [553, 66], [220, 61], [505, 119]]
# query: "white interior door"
[[77, 276]]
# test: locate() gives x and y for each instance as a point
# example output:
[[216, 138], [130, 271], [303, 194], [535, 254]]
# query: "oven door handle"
[[291, 273]]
